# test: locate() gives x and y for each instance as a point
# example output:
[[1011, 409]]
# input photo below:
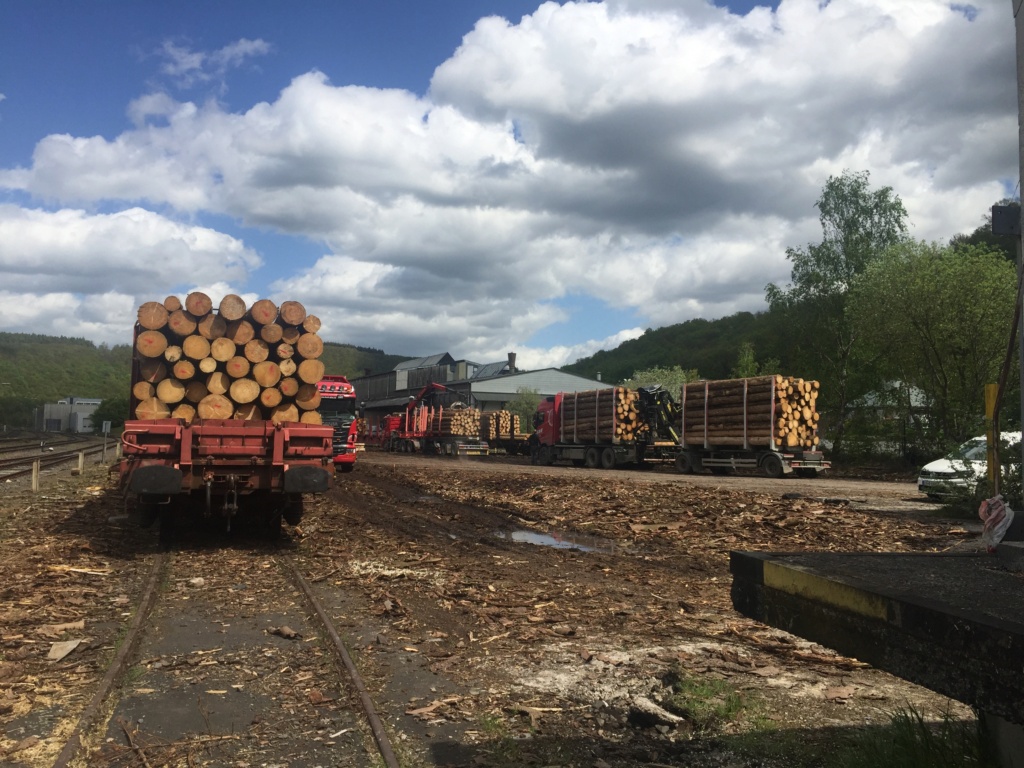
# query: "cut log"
[[215, 407], [195, 347], [288, 367], [195, 391], [172, 304], [170, 391], [263, 312], [290, 334], [152, 408], [232, 307], [143, 390], [256, 350], [289, 386], [311, 324], [212, 327], [240, 332], [292, 313], [152, 370], [248, 412], [181, 323], [237, 367], [283, 351], [222, 349], [151, 344], [308, 397], [218, 383], [198, 303], [284, 412], [310, 346], [311, 371], [270, 397], [153, 315], [183, 370], [267, 373], [207, 365], [311, 417], [172, 354], [184, 411], [244, 391], [271, 333]]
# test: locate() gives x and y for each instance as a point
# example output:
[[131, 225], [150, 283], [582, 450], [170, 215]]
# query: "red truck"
[[427, 428], [339, 411]]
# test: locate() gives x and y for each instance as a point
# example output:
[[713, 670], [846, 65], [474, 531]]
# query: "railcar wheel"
[[591, 458], [608, 458]]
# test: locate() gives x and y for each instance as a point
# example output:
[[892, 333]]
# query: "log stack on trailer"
[[766, 421], [600, 416], [224, 406], [454, 422], [502, 431], [235, 362]]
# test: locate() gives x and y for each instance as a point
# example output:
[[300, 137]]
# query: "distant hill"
[[46, 368], [709, 346]]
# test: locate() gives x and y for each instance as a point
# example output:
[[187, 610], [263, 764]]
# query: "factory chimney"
[[511, 362]]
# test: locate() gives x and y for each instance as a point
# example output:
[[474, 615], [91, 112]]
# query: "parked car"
[[958, 473]]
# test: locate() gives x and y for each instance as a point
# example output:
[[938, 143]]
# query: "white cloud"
[[657, 156]]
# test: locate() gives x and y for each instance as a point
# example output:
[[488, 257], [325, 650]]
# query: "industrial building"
[[488, 387], [72, 414]]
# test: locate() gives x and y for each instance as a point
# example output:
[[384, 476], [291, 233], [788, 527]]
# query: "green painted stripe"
[[821, 590]]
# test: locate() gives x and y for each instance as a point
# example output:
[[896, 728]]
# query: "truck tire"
[[608, 458], [772, 466], [684, 463], [591, 458]]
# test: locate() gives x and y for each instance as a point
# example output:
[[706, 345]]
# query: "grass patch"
[[706, 703]]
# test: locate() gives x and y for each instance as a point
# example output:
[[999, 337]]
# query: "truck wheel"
[[772, 466], [608, 458], [684, 464], [591, 458]]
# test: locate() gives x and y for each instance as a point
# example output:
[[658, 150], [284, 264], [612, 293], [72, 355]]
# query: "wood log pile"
[[764, 410], [601, 415], [252, 363], [503, 424], [454, 422]]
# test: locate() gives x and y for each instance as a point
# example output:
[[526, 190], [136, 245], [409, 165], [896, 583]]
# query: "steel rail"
[[380, 736], [117, 667]]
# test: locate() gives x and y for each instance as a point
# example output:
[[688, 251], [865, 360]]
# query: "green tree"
[[858, 225], [112, 409], [524, 405], [747, 366], [937, 318], [672, 379]]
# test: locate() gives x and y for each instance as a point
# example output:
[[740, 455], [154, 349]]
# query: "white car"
[[958, 473]]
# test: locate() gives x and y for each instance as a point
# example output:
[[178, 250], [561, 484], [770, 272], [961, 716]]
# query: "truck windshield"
[[341, 412]]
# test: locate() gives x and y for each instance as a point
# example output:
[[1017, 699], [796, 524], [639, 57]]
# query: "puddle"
[[560, 541]]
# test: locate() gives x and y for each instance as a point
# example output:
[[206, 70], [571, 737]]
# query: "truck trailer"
[[432, 427]]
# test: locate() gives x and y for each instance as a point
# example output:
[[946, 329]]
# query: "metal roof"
[[425, 362], [491, 369]]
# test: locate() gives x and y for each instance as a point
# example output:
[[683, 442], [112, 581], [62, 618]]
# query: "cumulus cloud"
[[657, 156], [186, 67]]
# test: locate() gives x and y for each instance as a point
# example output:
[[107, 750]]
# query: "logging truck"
[[338, 410], [766, 422], [434, 429], [605, 427], [223, 417]]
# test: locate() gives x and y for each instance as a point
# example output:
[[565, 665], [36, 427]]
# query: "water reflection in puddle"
[[560, 541]]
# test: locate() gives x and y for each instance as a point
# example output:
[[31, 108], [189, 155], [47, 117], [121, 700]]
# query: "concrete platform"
[[953, 623]]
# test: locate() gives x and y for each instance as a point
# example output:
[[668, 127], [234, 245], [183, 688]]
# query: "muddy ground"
[[509, 615]]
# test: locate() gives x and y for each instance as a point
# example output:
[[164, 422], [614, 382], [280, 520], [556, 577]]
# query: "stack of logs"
[[454, 422], [601, 415], [252, 363], [795, 421], [504, 424]]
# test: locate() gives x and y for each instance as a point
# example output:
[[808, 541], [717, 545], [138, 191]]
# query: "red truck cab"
[[339, 411]]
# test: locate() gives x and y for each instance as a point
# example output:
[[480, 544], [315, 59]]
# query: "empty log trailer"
[[224, 437], [605, 427], [766, 422]]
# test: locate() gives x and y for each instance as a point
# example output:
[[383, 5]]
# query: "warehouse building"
[[72, 414]]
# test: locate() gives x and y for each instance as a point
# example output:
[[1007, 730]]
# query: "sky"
[[475, 176]]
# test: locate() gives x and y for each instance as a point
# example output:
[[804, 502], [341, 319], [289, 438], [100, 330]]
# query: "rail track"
[[20, 466], [245, 704]]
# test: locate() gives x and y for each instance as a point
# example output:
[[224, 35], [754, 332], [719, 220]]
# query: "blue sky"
[[427, 178]]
